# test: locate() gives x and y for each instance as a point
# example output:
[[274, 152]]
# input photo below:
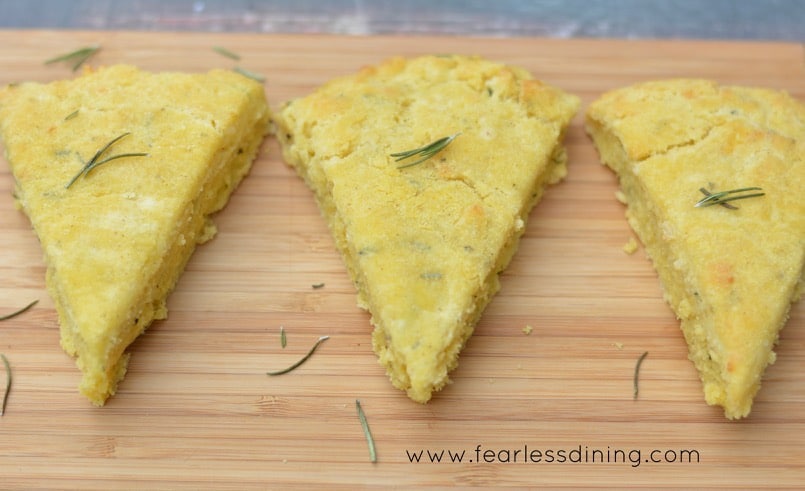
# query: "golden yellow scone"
[[117, 239], [729, 273], [424, 244]]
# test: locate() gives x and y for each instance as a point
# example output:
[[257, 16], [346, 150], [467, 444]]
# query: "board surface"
[[197, 410]]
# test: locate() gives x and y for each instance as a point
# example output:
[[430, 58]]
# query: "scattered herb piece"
[[22, 310], [77, 57], [317, 286], [637, 371], [424, 152], [225, 52], [304, 358], [365, 425], [722, 197], [8, 384], [283, 339], [249, 74], [71, 115], [94, 162]]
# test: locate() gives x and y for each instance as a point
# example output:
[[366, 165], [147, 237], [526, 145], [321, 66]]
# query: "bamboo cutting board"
[[197, 410]]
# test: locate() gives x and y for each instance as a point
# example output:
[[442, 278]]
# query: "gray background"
[[701, 19]]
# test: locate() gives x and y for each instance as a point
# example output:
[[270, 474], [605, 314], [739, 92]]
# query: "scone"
[[117, 236], [731, 270], [425, 241]]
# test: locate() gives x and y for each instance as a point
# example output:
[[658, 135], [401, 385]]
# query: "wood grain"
[[196, 409]]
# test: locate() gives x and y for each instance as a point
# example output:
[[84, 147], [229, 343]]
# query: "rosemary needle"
[[283, 339], [365, 425], [722, 197], [8, 384], [249, 74], [425, 152], [15, 314], [94, 162], [225, 52], [304, 358], [637, 371], [79, 56]]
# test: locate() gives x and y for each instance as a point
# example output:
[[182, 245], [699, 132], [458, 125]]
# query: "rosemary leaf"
[[637, 371], [8, 384], [71, 115], [78, 57], [249, 74], [107, 146], [304, 358], [225, 52], [15, 314], [365, 425], [722, 197], [113, 157], [283, 339], [94, 162], [424, 152], [317, 286]]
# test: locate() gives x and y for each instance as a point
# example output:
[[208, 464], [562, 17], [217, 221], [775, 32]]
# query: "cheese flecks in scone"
[[116, 241], [424, 244], [730, 275]]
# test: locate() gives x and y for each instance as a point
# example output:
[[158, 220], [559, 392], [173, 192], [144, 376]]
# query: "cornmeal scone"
[[425, 243], [117, 238], [729, 271]]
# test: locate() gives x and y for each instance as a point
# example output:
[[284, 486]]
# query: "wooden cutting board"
[[197, 410]]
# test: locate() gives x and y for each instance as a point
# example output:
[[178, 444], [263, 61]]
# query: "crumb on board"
[[620, 196], [631, 246], [527, 329], [618, 345]]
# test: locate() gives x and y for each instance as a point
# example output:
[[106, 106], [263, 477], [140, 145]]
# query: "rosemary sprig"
[[304, 358], [78, 57], [250, 74], [225, 52], [283, 339], [365, 425], [8, 384], [94, 162], [722, 197], [15, 314], [425, 152], [637, 371]]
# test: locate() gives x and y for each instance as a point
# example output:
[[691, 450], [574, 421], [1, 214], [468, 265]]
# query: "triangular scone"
[[116, 241], [729, 274], [425, 244]]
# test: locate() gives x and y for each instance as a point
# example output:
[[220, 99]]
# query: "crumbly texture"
[[424, 245], [116, 241], [630, 247], [730, 275]]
